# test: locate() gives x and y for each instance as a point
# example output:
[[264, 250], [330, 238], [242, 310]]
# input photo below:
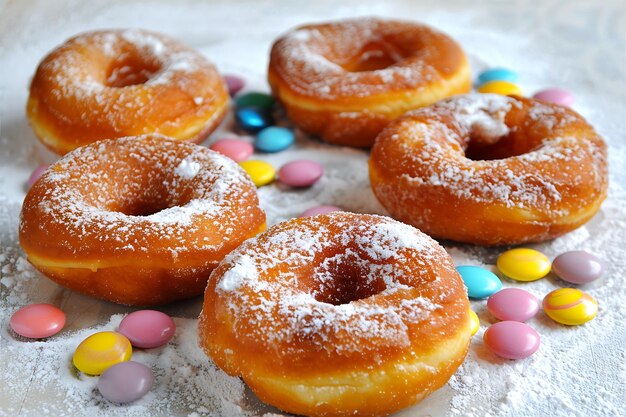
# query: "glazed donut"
[[490, 170], [345, 81], [138, 220], [116, 83], [338, 314]]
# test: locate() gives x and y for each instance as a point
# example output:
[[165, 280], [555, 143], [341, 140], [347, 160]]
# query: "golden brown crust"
[[345, 81], [138, 221], [340, 314], [537, 170], [116, 83]]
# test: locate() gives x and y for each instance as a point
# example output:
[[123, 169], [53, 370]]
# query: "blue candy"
[[480, 282], [252, 119], [497, 74], [274, 139]]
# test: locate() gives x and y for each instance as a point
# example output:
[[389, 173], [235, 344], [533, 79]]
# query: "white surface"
[[570, 44]]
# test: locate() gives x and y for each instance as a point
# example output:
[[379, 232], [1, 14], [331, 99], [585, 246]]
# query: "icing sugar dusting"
[[377, 251], [199, 195]]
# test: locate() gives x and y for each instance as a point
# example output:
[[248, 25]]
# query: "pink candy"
[[300, 173], [36, 174], [147, 328], [233, 83], [513, 304], [236, 149], [556, 95], [317, 210], [511, 339], [37, 321]]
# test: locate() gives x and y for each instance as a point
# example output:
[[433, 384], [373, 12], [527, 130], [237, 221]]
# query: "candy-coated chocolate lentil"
[[317, 210], [300, 173], [147, 328], [261, 172], [100, 351], [555, 95], [274, 139], [504, 88], [511, 339], [523, 264], [255, 99], [577, 267], [125, 382], [252, 119], [234, 83], [570, 306], [474, 323], [36, 174], [513, 304], [37, 321], [236, 149], [498, 74], [480, 282]]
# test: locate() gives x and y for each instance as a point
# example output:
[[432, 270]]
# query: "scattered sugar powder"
[[578, 371]]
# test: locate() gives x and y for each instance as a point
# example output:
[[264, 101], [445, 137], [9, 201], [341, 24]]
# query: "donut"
[[338, 314], [116, 83], [138, 220], [490, 170], [345, 81]]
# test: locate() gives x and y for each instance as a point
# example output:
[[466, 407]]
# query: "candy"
[[260, 172], [513, 304], [300, 173], [498, 74], [147, 328], [570, 306], [255, 99], [511, 339], [474, 323], [555, 95], [236, 149], [274, 139], [317, 210], [523, 264], [233, 83], [100, 351], [37, 321], [577, 267], [480, 282], [36, 174], [252, 119], [500, 87], [125, 382]]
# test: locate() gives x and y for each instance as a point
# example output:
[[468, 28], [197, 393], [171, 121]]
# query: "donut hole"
[[346, 281], [375, 55], [130, 69], [485, 146], [144, 191]]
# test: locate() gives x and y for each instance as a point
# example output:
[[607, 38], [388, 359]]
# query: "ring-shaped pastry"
[[345, 81], [338, 314], [115, 83], [490, 169], [139, 220]]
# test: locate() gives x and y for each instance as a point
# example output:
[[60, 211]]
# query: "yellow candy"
[[261, 172], [100, 351], [475, 323], [523, 264], [570, 306], [500, 87]]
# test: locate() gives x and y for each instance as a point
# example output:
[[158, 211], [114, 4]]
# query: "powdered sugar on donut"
[[99, 194], [432, 144], [310, 59], [279, 312]]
